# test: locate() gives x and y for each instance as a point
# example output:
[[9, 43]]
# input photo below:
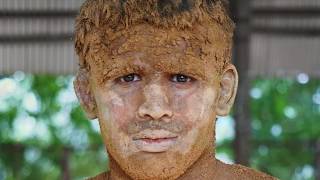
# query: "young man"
[[156, 73]]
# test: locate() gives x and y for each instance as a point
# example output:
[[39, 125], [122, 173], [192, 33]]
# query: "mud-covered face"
[[156, 99]]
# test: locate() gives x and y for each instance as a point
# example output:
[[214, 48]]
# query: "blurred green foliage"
[[41, 124], [285, 124], [44, 132]]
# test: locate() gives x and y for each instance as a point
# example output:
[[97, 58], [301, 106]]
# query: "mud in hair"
[[118, 15]]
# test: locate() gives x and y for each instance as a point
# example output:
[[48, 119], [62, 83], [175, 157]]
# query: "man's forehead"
[[146, 47], [150, 39]]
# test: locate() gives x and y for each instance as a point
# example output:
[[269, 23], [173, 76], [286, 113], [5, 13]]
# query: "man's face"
[[156, 97]]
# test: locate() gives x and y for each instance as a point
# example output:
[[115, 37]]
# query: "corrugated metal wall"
[[35, 36], [42, 5], [286, 37]]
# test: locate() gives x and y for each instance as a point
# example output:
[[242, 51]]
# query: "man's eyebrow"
[[196, 70], [121, 69]]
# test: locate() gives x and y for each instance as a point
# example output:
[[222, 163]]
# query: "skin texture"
[[156, 91], [155, 106]]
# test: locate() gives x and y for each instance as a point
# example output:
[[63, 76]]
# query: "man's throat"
[[198, 169]]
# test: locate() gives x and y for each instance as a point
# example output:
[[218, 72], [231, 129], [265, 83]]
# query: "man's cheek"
[[122, 111], [120, 115], [188, 107]]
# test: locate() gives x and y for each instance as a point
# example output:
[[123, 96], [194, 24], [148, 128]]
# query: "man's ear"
[[228, 90], [84, 93]]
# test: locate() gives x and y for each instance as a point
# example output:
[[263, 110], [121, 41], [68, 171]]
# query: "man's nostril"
[[154, 111]]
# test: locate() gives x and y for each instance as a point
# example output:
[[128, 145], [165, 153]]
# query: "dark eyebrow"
[[184, 67], [121, 69]]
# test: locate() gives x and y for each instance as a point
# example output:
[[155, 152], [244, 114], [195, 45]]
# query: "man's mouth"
[[157, 140], [154, 140]]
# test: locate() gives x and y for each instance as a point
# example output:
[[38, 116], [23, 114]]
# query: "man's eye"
[[180, 78], [130, 78]]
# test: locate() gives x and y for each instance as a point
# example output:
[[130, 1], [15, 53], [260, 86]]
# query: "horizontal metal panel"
[[16, 5], [287, 26], [38, 13], [36, 26], [290, 22], [284, 56], [285, 3], [39, 58]]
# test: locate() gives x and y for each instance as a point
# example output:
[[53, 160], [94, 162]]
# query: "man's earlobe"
[[84, 94], [228, 90]]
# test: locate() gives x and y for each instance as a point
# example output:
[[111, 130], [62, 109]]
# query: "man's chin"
[[154, 165], [156, 159]]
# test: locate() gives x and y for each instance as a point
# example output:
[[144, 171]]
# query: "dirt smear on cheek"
[[204, 118], [111, 118]]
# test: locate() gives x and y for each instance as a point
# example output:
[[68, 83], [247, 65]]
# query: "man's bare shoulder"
[[102, 176], [239, 172]]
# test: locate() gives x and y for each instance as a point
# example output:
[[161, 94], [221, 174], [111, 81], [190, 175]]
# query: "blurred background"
[[274, 127]]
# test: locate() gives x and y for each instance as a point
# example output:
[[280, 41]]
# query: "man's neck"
[[116, 173], [200, 168], [204, 168]]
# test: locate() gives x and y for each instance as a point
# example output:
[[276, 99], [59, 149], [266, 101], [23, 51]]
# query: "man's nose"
[[156, 104]]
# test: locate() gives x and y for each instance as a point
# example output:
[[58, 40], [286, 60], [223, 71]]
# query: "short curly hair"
[[121, 14]]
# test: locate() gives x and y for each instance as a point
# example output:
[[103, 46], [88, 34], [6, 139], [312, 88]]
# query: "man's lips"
[[157, 140], [154, 140]]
